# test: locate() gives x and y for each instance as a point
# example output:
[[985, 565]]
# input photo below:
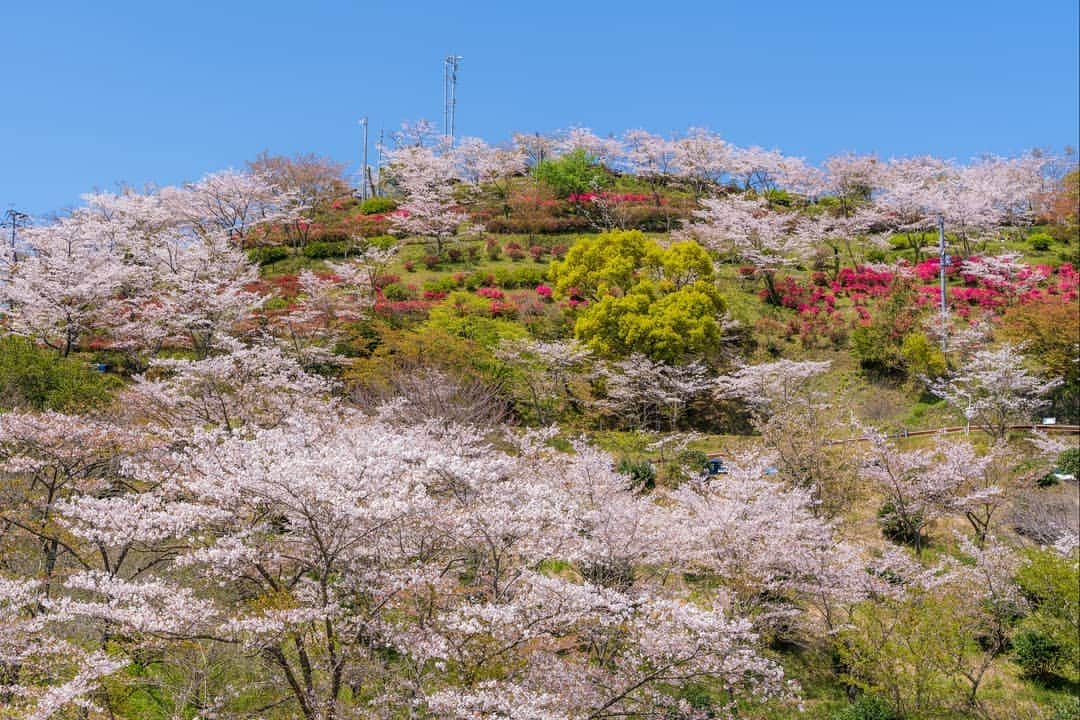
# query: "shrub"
[[431, 262], [894, 528], [320, 250], [537, 252], [1065, 709], [559, 251], [642, 474], [514, 251], [382, 281], [396, 293], [523, 277], [868, 707], [409, 265], [1037, 653], [493, 249], [35, 377], [268, 254], [921, 357], [573, 173], [378, 206], [1040, 241], [1069, 462], [617, 573], [454, 254]]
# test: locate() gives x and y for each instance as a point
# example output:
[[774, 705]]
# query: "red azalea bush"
[[499, 309]]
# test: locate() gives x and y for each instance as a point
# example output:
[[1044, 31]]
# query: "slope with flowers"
[[270, 451]]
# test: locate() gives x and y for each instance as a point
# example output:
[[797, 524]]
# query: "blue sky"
[[112, 91]]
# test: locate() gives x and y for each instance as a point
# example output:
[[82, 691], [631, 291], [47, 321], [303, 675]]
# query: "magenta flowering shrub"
[[543, 291], [610, 197], [491, 293]]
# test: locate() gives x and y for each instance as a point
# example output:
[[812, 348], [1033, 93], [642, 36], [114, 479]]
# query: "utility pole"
[[15, 219], [376, 186], [943, 262], [364, 163], [450, 68]]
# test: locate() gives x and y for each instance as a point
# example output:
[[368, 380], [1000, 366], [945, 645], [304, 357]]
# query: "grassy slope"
[[886, 406]]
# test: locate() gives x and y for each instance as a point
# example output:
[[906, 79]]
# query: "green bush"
[[36, 378], [267, 255], [868, 707], [443, 284], [395, 292], [522, 277], [780, 198], [377, 206], [1040, 241], [1051, 583], [1037, 653], [575, 172], [641, 472], [894, 528], [1069, 462], [1065, 709], [321, 250]]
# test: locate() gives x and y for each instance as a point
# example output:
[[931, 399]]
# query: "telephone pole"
[[943, 262]]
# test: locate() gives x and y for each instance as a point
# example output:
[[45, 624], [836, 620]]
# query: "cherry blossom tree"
[[58, 292], [607, 151], [919, 485], [761, 237], [653, 394], [427, 180], [545, 369], [994, 390], [853, 179], [234, 203], [800, 426], [479, 163], [253, 385], [769, 387], [703, 158]]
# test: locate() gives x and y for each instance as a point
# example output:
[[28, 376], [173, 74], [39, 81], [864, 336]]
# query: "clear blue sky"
[[96, 93]]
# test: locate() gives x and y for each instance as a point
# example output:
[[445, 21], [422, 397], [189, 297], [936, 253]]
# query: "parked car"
[[715, 466]]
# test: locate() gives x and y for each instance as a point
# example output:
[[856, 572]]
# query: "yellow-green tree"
[[641, 296]]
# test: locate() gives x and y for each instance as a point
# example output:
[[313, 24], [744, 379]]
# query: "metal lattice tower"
[[450, 69]]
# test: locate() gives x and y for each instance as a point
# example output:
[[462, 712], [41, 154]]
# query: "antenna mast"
[[450, 68], [364, 162]]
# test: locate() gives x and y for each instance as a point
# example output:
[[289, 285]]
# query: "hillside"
[[271, 450]]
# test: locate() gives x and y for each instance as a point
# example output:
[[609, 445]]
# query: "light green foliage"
[[1069, 462], [575, 172], [377, 205], [922, 358], [34, 377], [642, 297], [664, 326], [921, 653], [466, 316], [1052, 584], [878, 345], [595, 266], [868, 707]]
